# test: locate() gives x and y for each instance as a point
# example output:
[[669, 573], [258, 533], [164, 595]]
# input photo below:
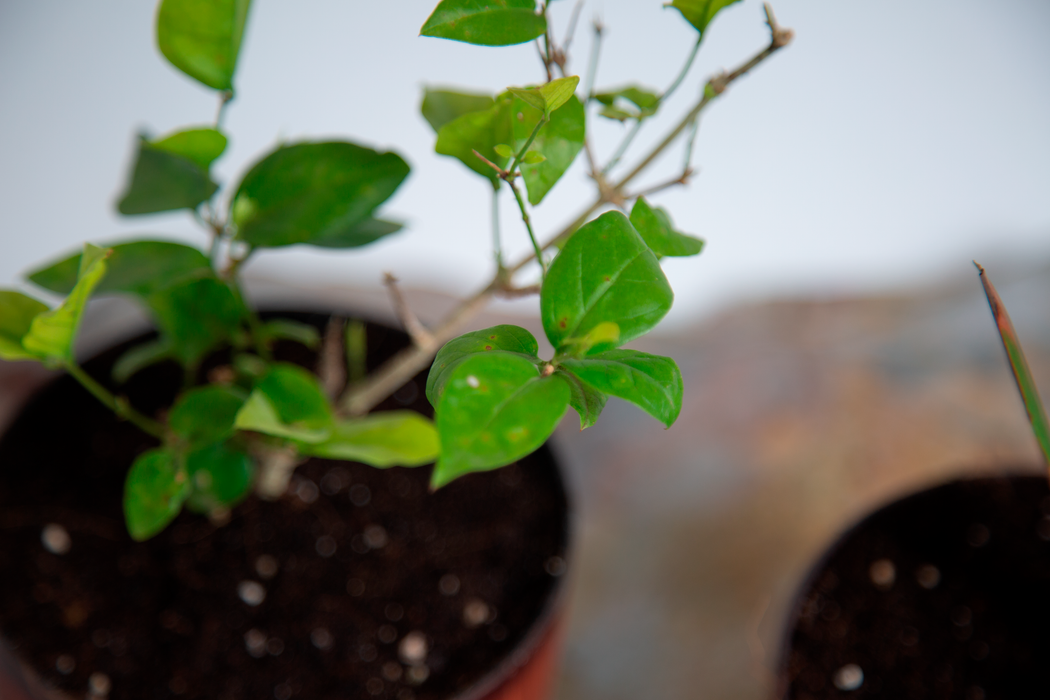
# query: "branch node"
[[415, 329]]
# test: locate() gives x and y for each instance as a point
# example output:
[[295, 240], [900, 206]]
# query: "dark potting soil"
[[944, 594], [371, 587]]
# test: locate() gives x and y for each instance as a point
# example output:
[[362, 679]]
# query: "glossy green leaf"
[[154, 491], [52, 333], [655, 228], [486, 22], [478, 131], [313, 191], [530, 96], [17, 312], [287, 402], [285, 329], [357, 235], [196, 316], [699, 13], [202, 38], [506, 338], [387, 439], [206, 414], [651, 382], [547, 97], [495, 408], [604, 273], [164, 181], [140, 357], [442, 106], [202, 146], [586, 401], [138, 267], [558, 141], [219, 477]]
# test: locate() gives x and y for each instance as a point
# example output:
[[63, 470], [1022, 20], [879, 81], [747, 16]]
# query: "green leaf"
[[503, 150], [617, 114], [442, 106], [558, 141], [196, 316], [388, 439], [202, 146], [506, 338], [138, 267], [645, 101], [604, 273], [478, 131], [486, 22], [219, 476], [361, 233], [651, 382], [164, 181], [154, 491], [52, 333], [140, 357], [530, 96], [17, 312], [655, 228], [587, 402], [314, 191], [547, 97], [699, 13], [495, 408], [205, 415], [533, 158], [288, 402], [202, 38], [284, 329]]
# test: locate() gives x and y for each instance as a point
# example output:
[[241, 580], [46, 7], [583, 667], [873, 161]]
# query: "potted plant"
[[211, 522], [939, 594]]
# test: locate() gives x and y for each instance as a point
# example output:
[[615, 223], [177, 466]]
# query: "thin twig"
[[682, 179], [415, 329], [331, 367], [118, 405], [517, 292], [571, 31], [528, 225]]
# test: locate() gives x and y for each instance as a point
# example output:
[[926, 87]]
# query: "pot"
[[356, 584], [944, 593]]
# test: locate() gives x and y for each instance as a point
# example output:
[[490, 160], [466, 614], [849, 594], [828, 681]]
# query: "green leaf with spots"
[[605, 273], [288, 402], [136, 267], [505, 338], [314, 191], [362, 233], [202, 38], [154, 491], [486, 22], [17, 312], [558, 141], [586, 401], [205, 415], [655, 228], [442, 106], [478, 131], [196, 316], [495, 408], [52, 333], [202, 146], [699, 13], [387, 439], [219, 476], [164, 181], [651, 382]]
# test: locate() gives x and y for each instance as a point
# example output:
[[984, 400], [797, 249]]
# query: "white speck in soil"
[[497, 633], [321, 638], [413, 648], [883, 573], [977, 535], [255, 643], [177, 685], [307, 491], [394, 612], [449, 584], [475, 613], [55, 539], [355, 587], [325, 545], [417, 674], [282, 691], [978, 650], [65, 664], [251, 592], [99, 684], [266, 567], [849, 677], [962, 616], [360, 495], [928, 576], [555, 566], [387, 634], [392, 671], [335, 480], [274, 646], [375, 536], [367, 652], [1043, 528], [374, 686], [473, 382]]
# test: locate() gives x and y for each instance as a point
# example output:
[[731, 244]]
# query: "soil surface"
[[357, 584], [944, 594]]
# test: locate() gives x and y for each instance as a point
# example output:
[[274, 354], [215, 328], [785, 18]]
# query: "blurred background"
[[834, 341]]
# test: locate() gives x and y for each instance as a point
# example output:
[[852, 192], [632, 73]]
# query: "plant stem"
[[624, 145], [224, 99], [119, 406], [524, 149], [528, 225], [685, 71], [497, 244], [592, 66]]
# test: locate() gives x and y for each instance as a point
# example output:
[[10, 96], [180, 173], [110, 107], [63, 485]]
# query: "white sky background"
[[888, 146]]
